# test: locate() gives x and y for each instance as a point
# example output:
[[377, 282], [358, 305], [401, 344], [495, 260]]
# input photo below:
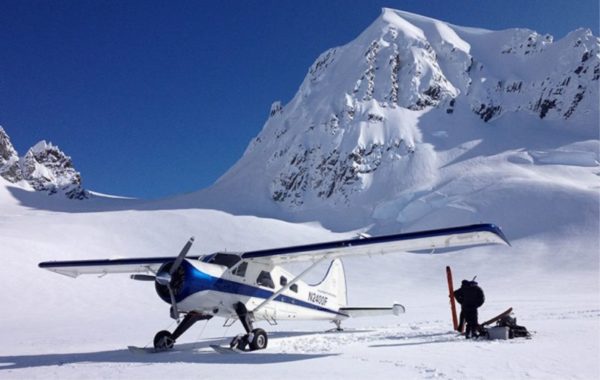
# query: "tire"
[[163, 341], [259, 340]]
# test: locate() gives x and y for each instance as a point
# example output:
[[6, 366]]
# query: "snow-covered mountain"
[[44, 168], [392, 127], [415, 124]]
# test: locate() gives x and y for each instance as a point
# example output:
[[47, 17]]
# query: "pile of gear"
[[507, 328], [470, 296]]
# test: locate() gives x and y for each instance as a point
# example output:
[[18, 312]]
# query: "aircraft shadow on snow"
[[198, 352]]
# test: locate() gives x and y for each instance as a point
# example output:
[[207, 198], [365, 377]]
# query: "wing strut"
[[290, 283]]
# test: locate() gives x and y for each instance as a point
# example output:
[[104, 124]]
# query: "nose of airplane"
[[186, 281]]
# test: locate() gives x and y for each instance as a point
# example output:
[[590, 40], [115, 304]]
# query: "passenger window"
[[294, 288], [282, 281], [240, 270], [264, 279]]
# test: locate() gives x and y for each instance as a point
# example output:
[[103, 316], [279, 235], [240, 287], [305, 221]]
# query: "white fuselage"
[[218, 288]]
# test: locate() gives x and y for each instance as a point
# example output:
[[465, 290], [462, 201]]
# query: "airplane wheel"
[[260, 340], [163, 340]]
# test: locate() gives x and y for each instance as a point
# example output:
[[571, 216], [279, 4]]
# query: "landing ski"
[[225, 350], [151, 350], [143, 350], [452, 300], [497, 317]]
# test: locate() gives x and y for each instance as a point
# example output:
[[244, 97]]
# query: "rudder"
[[334, 282]]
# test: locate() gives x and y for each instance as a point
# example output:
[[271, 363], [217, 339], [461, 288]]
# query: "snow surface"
[[538, 179], [58, 327]]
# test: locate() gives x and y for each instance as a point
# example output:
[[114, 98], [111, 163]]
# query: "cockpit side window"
[[240, 270], [264, 279], [283, 281], [294, 288], [225, 259]]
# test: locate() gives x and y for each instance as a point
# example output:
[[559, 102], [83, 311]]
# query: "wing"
[[434, 239], [140, 265]]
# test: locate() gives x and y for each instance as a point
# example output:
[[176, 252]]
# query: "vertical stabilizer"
[[334, 283]]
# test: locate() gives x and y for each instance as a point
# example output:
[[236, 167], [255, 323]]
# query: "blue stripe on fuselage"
[[198, 281]]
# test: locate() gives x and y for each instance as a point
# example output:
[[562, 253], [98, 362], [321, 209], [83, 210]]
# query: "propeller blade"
[[142, 277], [174, 311], [181, 256]]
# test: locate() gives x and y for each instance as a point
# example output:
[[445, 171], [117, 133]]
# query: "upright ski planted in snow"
[[452, 300]]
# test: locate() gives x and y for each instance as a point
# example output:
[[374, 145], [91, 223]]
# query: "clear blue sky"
[[154, 98]]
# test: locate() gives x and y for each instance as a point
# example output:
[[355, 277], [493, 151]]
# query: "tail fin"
[[334, 283]]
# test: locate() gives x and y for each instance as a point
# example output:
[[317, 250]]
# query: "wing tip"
[[496, 230]]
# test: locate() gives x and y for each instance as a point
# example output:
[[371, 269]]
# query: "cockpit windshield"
[[225, 259]]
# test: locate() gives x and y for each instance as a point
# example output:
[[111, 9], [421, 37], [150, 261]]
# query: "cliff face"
[[9, 159], [44, 167], [47, 168]]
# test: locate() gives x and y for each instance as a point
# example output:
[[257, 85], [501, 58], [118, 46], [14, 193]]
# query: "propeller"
[[165, 277]]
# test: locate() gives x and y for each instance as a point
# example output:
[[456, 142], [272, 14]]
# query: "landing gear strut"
[[254, 339], [338, 325], [164, 340]]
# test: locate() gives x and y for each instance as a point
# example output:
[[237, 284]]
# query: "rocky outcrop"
[[44, 167], [556, 80], [327, 174], [10, 169], [47, 168]]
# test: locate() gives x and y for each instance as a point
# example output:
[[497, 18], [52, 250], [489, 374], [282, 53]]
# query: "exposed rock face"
[[553, 80], [353, 132], [9, 159], [47, 168], [44, 167]]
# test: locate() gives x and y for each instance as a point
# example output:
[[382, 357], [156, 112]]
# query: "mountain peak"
[[47, 168], [9, 159], [354, 132], [42, 146], [44, 167]]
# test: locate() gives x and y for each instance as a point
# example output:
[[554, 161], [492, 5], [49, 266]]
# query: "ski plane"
[[253, 286]]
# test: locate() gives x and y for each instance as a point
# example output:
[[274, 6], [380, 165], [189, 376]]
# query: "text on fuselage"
[[317, 298]]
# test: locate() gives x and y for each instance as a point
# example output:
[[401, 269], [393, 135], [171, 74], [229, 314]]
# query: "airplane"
[[253, 286]]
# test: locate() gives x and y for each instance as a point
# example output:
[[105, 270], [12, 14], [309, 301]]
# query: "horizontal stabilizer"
[[354, 312]]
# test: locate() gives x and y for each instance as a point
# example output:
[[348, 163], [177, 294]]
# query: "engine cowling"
[[177, 282]]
